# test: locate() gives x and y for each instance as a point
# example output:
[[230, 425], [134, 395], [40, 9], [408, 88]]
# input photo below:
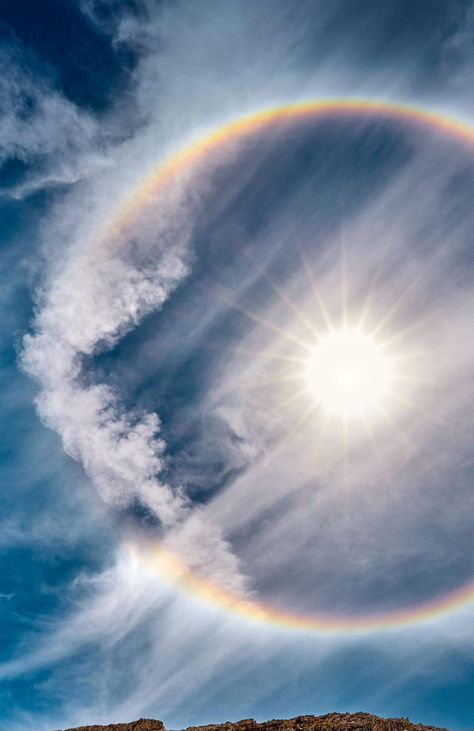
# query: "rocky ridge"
[[329, 722]]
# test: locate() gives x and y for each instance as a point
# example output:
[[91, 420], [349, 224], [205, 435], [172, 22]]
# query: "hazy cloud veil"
[[164, 351]]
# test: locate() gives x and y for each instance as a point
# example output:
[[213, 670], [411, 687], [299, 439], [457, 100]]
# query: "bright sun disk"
[[350, 374]]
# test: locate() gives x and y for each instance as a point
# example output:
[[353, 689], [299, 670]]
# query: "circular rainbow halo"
[[347, 371], [350, 374]]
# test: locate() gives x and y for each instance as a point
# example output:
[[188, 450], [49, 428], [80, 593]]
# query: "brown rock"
[[143, 724], [330, 722]]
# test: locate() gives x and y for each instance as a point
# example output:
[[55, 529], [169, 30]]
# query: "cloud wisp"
[[166, 351]]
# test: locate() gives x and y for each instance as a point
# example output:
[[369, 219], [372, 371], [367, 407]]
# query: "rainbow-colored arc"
[[157, 558], [248, 125], [160, 561]]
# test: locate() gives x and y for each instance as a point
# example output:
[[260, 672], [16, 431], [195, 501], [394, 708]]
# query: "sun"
[[350, 375]]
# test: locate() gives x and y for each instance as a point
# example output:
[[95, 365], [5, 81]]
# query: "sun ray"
[[369, 430], [406, 292], [409, 444], [289, 302], [305, 416], [285, 403], [424, 413], [408, 329], [361, 320], [343, 276], [289, 378], [264, 354], [310, 275], [266, 323]]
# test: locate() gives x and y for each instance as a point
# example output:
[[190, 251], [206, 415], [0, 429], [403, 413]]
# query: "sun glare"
[[350, 374]]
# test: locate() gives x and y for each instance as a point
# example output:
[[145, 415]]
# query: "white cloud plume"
[[89, 305]]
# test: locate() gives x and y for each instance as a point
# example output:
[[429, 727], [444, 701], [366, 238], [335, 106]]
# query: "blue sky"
[[151, 384]]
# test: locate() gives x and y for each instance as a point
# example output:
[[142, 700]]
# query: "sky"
[[196, 526]]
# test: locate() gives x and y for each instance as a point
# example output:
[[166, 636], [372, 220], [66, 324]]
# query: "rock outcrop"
[[330, 722], [143, 724]]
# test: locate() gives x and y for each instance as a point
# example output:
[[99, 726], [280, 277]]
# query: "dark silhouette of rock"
[[330, 722]]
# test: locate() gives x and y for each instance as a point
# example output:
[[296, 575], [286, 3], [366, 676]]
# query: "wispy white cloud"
[[152, 648], [53, 139], [332, 506], [172, 656]]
